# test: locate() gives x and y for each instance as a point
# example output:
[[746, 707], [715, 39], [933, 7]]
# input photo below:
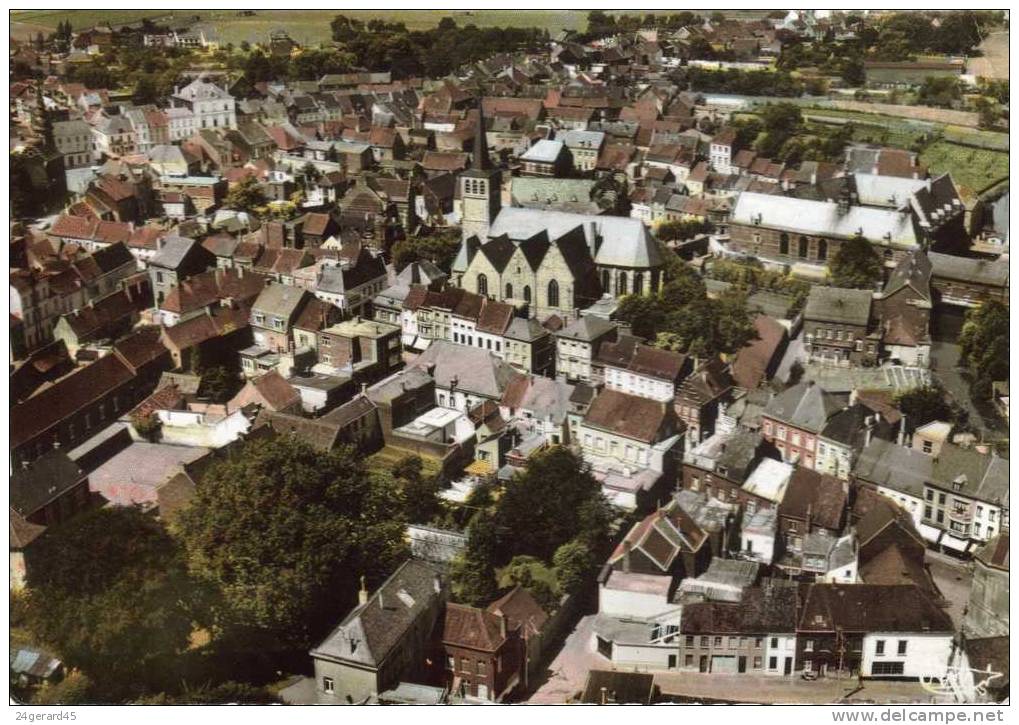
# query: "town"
[[449, 358]]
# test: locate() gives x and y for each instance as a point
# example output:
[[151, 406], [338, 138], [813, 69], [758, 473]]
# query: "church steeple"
[[480, 187], [481, 162]]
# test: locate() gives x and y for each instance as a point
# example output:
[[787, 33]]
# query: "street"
[[567, 673], [953, 577]]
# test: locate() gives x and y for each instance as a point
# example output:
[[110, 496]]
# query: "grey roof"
[[421, 272], [983, 477], [474, 370], [884, 463], [538, 192], [279, 299], [835, 304], [72, 128], [371, 631], [625, 242], [885, 191], [527, 330], [397, 384], [42, 481], [587, 328], [545, 151], [805, 405], [913, 271], [803, 216], [173, 252], [991, 272], [582, 139]]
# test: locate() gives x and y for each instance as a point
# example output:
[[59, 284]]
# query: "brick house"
[[698, 398], [793, 420]]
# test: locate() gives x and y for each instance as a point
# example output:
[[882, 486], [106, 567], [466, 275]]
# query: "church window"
[[803, 248], [527, 293], [783, 243], [822, 249], [638, 284], [553, 294], [621, 284], [509, 291], [482, 285], [606, 280]]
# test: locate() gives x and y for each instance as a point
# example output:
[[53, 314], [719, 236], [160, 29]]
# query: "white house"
[[212, 106], [906, 654]]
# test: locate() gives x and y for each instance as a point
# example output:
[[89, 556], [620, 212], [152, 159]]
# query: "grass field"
[[308, 26], [972, 169]]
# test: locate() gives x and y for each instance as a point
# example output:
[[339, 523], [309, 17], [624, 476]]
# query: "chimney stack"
[[362, 595], [902, 431], [626, 555], [502, 625]]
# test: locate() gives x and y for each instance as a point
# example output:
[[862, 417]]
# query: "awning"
[[950, 542]]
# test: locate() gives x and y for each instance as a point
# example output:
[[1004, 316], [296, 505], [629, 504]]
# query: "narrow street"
[[567, 673]]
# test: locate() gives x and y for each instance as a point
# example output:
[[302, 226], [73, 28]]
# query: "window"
[[718, 641], [509, 291], [783, 243], [465, 664], [887, 668], [927, 512], [482, 285], [808, 646], [704, 641], [803, 248], [553, 294], [606, 280], [732, 642], [327, 685], [481, 668], [941, 499], [773, 663], [902, 647], [879, 648], [758, 642], [527, 293], [757, 663], [688, 661], [689, 640], [638, 284], [774, 642], [822, 249], [450, 663]]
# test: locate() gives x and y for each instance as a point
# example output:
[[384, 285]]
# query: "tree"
[[219, 384], [246, 195], [420, 492], [984, 345], [284, 532], [573, 561], [145, 91], [75, 689], [855, 265], [110, 592], [680, 230], [439, 247], [644, 313], [923, 404], [472, 573]]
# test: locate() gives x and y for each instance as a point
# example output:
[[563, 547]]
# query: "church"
[[552, 262]]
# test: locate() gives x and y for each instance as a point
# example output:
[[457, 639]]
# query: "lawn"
[[972, 169]]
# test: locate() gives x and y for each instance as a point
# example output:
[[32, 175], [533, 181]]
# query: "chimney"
[[626, 555], [437, 584], [810, 512], [604, 696], [362, 595], [364, 388], [902, 431], [869, 432], [502, 625]]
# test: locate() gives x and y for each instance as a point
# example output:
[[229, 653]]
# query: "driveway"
[[567, 673], [953, 577]]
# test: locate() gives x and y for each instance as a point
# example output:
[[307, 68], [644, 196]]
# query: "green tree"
[[75, 689], [855, 265], [246, 195], [284, 532], [439, 247], [145, 91], [109, 591], [472, 573], [420, 491], [644, 313], [573, 562], [984, 345], [924, 404]]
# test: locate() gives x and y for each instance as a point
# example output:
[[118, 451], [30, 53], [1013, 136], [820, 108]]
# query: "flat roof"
[[769, 479]]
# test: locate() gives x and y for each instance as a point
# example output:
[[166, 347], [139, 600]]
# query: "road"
[[994, 63], [945, 366], [567, 673], [953, 577]]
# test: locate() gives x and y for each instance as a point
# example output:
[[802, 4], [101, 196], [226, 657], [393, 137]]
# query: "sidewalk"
[[763, 689]]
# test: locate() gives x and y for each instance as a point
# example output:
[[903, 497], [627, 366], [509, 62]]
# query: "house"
[[872, 630], [134, 476], [987, 609], [631, 443], [667, 543], [844, 435], [104, 319], [631, 367], [385, 639], [273, 315], [178, 259], [578, 343], [268, 392], [837, 327], [584, 148], [546, 158], [619, 687], [699, 396], [904, 308], [813, 503], [539, 405], [793, 420], [966, 282], [889, 74], [73, 139], [753, 636], [368, 350], [464, 376], [890, 550], [211, 106], [206, 291]]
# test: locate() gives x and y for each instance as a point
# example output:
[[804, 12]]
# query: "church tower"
[[480, 188]]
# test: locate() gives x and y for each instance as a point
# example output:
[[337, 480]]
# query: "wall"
[[926, 654], [352, 682], [631, 604]]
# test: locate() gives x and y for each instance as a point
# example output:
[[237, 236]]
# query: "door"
[[788, 665], [704, 663], [672, 662], [742, 664], [483, 692], [723, 663]]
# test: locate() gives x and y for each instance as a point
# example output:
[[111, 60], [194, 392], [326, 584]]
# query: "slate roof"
[[822, 497], [476, 371], [471, 628], [587, 328], [316, 432], [372, 631], [837, 305], [805, 405], [871, 608], [42, 481], [990, 272]]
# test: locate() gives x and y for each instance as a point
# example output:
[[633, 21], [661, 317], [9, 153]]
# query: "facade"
[[211, 106], [837, 329], [793, 420]]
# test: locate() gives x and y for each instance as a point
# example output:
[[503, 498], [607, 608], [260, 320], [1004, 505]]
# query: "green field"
[[972, 169], [310, 26]]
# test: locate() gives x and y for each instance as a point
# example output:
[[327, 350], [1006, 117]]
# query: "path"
[[567, 673]]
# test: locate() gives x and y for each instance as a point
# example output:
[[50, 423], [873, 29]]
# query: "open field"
[[311, 26], [972, 169]]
